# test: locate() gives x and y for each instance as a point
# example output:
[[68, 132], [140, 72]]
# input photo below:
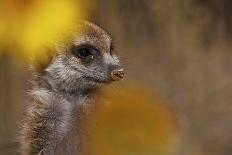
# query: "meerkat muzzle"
[[117, 74]]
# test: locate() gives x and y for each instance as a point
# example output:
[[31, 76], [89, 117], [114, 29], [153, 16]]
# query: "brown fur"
[[63, 89]]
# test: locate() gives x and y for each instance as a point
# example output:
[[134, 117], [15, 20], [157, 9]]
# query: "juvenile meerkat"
[[64, 87]]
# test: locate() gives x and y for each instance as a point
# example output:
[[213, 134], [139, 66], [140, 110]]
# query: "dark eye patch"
[[86, 53]]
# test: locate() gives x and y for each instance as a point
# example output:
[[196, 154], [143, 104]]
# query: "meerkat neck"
[[76, 96]]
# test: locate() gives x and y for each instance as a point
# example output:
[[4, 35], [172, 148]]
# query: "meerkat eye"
[[86, 53]]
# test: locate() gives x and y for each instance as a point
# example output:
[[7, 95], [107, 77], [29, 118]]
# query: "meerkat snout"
[[117, 74]]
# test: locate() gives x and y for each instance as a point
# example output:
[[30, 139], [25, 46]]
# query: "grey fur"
[[62, 93]]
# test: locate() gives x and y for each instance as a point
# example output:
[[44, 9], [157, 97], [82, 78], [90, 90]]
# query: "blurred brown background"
[[180, 47]]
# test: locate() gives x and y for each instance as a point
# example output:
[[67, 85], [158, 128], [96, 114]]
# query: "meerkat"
[[64, 87]]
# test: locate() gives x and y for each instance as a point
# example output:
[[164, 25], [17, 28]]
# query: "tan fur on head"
[[84, 32]]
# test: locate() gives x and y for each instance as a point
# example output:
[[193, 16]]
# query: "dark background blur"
[[180, 47]]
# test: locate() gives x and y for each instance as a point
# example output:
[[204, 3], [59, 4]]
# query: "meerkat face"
[[86, 62]]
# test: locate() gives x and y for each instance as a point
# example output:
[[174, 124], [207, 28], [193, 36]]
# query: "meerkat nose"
[[117, 74]]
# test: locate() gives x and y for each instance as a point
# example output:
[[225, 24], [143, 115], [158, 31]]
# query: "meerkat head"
[[84, 61]]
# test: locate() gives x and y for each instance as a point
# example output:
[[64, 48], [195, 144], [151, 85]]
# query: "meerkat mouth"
[[98, 80]]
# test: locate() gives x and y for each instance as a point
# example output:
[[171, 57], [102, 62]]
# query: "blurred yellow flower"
[[26, 26], [132, 121]]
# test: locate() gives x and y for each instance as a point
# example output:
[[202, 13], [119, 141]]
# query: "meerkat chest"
[[72, 143]]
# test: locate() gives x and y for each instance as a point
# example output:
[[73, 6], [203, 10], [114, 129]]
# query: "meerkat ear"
[[43, 58]]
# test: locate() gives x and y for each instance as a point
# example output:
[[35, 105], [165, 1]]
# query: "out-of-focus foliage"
[[132, 120]]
